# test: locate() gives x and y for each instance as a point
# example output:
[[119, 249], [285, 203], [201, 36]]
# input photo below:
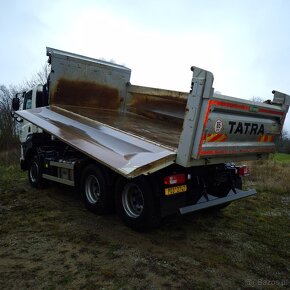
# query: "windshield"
[[27, 104]]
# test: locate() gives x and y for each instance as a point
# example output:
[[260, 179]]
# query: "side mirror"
[[15, 104]]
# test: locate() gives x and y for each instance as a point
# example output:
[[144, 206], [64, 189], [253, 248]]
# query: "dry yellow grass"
[[269, 175]]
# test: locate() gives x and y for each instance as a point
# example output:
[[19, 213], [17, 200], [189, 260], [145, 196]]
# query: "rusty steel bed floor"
[[161, 131]]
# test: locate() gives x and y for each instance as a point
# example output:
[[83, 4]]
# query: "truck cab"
[[34, 98], [31, 100]]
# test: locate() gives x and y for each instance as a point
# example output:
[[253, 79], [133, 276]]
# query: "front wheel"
[[35, 173], [137, 205]]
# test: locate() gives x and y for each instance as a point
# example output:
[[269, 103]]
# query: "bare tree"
[[283, 143], [8, 127], [39, 78], [257, 99], [7, 123]]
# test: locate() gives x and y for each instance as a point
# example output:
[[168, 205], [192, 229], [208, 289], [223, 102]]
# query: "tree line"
[[283, 144], [9, 128]]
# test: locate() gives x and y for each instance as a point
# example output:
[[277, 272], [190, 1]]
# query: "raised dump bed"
[[137, 130]]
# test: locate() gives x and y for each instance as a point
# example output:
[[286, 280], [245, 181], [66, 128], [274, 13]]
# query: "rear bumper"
[[214, 201]]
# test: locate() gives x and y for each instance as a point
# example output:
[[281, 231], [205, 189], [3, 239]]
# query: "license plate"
[[175, 189]]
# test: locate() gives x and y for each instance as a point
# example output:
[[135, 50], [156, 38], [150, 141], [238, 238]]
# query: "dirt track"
[[48, 240]]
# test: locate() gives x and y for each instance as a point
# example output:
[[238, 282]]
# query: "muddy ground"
[[48, 240]]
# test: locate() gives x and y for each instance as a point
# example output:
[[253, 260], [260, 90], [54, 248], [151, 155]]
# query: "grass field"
[[272, 175], [281, 158], [49, 241]]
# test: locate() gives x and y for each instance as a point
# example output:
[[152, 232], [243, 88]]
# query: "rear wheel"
[[137, 205], [133, 200], [94, 190]]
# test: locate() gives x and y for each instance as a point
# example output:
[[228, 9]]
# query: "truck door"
[[29, 102], [26, 128]]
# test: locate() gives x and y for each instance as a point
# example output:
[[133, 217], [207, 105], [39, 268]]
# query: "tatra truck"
[[145, 152]]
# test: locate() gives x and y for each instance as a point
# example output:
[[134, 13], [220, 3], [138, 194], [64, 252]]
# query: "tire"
[[35, 173], [137, 206], [94, 190]]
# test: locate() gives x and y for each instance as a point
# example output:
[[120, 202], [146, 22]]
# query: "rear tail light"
[[243, 170], [175, 179]]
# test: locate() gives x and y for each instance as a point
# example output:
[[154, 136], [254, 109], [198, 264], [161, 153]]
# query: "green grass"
[[281, 158], [11, 175]]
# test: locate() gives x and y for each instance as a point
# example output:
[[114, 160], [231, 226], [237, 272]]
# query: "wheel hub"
[[133, 200], [92, 189]]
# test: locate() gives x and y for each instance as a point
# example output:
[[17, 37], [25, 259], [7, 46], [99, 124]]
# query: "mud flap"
[[211, 200]]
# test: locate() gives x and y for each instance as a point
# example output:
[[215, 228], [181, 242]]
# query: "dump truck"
[[145, 152]]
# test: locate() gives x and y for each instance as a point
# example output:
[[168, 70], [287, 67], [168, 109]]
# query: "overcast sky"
[[246, 44]]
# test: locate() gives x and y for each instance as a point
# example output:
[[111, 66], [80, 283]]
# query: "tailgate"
[[236, 127], [220, 128]]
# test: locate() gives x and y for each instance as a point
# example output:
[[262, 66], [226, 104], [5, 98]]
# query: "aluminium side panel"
[[124, 153]]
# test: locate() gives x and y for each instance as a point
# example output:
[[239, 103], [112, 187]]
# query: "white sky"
[[246, 44]]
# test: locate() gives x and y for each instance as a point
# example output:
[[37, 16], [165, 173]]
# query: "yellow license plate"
[[175, 189]]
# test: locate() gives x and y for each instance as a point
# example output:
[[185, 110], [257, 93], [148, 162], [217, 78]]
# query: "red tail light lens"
[[243, 170], [174, 179]]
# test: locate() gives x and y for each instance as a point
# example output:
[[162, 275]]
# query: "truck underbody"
[[173, 189]]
